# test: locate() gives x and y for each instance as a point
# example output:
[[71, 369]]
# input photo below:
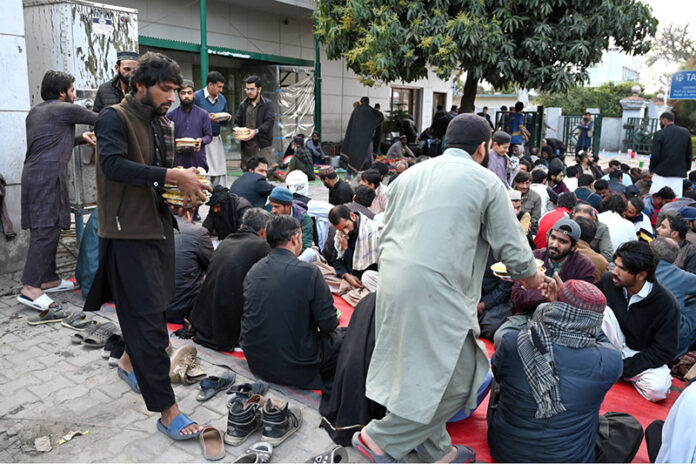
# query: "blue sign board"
[[683, 86]]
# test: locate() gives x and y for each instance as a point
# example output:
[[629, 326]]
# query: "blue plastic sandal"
[[129, 379], [179, 423]]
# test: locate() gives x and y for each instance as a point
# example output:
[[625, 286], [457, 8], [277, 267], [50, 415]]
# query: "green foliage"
[[540, 44], [576, 100]]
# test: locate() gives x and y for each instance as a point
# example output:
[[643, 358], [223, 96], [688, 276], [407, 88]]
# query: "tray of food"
[[186, 142], [217, 117], [500, 270], [173, 195], [241, 133]]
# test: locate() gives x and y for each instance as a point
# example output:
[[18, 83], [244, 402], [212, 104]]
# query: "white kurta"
[[441, 217], [215, 155]]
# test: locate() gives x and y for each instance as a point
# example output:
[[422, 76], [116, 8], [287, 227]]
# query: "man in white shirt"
[[621, 230], [538, 185]]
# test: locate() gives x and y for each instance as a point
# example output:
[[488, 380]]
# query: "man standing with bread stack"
[[254, 123], [211, 99]]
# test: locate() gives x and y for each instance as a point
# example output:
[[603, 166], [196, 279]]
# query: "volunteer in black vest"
[[135, 144]]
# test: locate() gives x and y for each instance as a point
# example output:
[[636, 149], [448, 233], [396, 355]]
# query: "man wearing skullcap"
[[113, 91], [191, 121], [425, 316], [553, 375], [339, 190]]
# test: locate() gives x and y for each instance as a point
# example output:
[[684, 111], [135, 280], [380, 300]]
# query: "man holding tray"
[[211, 99], [192, 129]]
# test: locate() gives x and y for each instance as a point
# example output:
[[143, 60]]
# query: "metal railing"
[[639, 134]]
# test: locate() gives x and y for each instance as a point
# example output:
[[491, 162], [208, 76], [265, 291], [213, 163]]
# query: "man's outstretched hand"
[[550, 290]]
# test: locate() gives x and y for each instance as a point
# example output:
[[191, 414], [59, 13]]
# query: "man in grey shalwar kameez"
[[441, 219], [45, 203]]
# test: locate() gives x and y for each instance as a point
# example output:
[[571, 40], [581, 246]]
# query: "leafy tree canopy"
[[576, 100], [540, 44]]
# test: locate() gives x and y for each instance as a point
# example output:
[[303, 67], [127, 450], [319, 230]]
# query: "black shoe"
[[279, 422], [243, 419]]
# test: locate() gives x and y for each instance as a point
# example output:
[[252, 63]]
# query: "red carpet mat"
[[622, 397]]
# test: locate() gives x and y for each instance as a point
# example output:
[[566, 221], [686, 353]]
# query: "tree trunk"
[[470, 86]]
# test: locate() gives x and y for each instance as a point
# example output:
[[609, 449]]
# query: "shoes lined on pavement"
[[279, 421], [334, 455], [260, 452], [48, 316], [101, 333], [77, 321], [184, 367], [243, 419]]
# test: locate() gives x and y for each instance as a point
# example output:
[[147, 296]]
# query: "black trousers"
[[140, 277], [493, 318], [330, 348], [40, 265]]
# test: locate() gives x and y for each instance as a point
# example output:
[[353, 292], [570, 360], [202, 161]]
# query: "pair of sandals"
[[210, 437], [95, 335], [45, 302]]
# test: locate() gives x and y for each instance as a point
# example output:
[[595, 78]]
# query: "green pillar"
[[204, 44], [317, 84]]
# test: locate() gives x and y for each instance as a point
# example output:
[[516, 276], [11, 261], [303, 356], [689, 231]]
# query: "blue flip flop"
[[129, 379], [179, 423]]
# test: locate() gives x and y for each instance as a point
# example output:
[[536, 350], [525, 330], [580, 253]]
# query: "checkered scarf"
[[166, 128], [551, 323]]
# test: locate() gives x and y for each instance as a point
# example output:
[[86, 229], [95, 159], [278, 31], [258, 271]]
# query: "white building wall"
[[14, 108], [341, 87], [277, 29]]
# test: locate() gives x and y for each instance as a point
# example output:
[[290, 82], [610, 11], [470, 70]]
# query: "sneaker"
[[243, 419], [279, 421]]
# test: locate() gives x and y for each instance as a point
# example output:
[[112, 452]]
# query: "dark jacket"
[[229, 218], [576, 266], [671, 152], [494, 291], [585, 376], [346, 409], [264, 121], [440, 122], [193, 249], [217, 313], [126, 209], [287, 308], [109, 93], [254, 187], [650, 327], [340, 193]]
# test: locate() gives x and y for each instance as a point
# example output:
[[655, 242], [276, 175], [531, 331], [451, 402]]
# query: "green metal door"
[[570, 132]]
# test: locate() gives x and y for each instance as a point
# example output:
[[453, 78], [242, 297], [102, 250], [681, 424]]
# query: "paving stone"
[[45, 388]]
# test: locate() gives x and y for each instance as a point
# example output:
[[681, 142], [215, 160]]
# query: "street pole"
[[317, 84], [204, 44]]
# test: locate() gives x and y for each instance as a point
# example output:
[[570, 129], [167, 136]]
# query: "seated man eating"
[[356, 247], [289, 322], [561, 256]]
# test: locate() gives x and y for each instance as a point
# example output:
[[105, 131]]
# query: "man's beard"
[[161, 110], [123, 78], [68, 98], [186, 106], [556, 255]]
